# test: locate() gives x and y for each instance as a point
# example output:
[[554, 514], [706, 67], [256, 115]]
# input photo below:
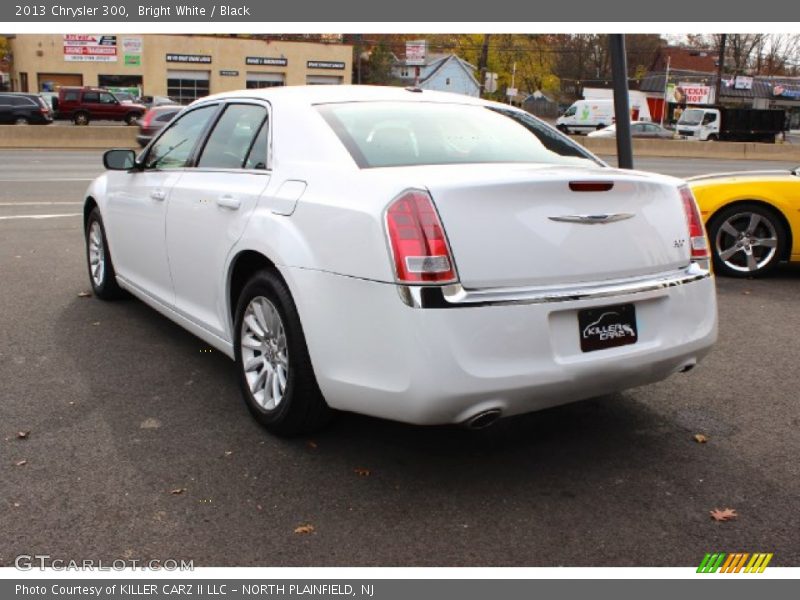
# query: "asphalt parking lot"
[[140, 447]]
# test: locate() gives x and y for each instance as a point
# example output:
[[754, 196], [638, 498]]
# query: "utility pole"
[[358, 58], [666, 87], [482, 63], [720, 66], [622, 112]]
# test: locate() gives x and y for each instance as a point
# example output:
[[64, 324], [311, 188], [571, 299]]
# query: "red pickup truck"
[[84, 104]]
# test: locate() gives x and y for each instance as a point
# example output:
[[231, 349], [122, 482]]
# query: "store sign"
[[225, 73], [90, 48], [786, 91], [189, 58], [261, 61], [415, 52], [690, 93], [743, 83], [133, 60], [324, 64]]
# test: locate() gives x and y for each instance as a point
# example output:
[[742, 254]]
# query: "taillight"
[[148, 116], [697, 235], [416, 236]]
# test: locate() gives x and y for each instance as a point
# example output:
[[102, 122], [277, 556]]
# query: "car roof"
[[325, 94]]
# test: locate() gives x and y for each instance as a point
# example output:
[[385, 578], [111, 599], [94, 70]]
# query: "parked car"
[[639, 129], [151, 101], [418, 256], [710, 124], [753, 219], [24, 109], [83, 105], [154, 121]]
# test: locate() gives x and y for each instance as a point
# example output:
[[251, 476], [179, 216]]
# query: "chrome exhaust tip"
[[483, 419]]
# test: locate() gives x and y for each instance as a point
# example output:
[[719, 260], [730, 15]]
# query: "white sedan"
[[417, 256]]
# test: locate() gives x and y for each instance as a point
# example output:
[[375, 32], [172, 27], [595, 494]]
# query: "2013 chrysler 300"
[[417, 256]]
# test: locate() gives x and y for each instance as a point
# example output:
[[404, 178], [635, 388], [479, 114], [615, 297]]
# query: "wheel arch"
[[88, 206], [241, 268], [768, 206]]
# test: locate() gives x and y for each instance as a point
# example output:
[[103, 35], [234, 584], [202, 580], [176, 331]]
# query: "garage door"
[[50, 82], [323, 79]]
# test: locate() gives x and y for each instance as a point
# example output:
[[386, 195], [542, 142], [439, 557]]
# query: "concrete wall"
[[67, 137], [35, 54], [680, 148]]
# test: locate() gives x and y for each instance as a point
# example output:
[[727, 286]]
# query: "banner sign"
[[743, 83], [786, 91], [90, 48]]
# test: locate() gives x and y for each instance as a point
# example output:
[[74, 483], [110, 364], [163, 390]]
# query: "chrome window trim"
[[455, 296]]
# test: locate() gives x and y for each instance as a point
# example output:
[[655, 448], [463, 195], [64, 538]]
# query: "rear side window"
[[5, 100], [71, 96], [174, 148], [21, 101], [91, 97], [233, 137], [167, 116], [393, 134]]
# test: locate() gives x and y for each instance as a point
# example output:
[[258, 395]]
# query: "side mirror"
[[119, 160]]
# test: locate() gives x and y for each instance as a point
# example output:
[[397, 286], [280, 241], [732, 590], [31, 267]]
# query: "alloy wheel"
[[746, 242], [97, 254], [265, 356]]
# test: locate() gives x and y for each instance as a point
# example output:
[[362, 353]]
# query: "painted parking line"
[[7, 218]]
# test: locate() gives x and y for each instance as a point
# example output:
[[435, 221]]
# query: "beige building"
[[183, 67]]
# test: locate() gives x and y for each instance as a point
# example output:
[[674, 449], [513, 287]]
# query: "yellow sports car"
[[752, 219]]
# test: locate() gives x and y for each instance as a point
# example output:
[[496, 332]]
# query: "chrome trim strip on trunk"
[[455, 296]]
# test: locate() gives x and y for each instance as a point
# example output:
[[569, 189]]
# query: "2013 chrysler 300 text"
[[417, 256]]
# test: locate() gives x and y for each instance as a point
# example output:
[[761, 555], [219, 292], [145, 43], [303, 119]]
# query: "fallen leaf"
[[23, 435], [21, 463], [304, 529], [177, 491], [84, 295], [362, 472], [228, 452], [723, 514], [700, 438], [312, 444]]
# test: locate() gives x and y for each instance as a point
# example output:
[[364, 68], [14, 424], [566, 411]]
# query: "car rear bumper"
[[374, 354]]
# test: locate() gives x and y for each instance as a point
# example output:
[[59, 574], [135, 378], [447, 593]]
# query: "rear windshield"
[[394, 134]]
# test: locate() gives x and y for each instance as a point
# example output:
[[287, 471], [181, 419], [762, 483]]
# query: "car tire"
[[274, 368], [21, 121], [130, 119], [98, 259], [731, 233], [712, 138], [81, 118]]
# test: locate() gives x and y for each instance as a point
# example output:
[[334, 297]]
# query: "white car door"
[[137, 204], [209, 209]]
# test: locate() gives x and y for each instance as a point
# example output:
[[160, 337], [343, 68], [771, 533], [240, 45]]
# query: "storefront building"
[[183, 67]]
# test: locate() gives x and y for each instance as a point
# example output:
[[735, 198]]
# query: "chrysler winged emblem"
[[598, 219]]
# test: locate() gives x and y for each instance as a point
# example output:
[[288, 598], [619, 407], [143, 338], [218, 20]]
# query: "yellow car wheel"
[[747, 240]]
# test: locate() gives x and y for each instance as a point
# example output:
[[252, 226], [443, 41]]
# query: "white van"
[[586, 115]]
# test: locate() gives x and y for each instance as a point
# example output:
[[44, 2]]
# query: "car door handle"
[[158, 195], [230, 202]]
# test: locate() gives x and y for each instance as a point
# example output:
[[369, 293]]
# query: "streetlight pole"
[[622, 112]]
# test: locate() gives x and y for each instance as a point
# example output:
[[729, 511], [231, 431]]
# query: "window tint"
[[233, 135], [107, 99], [5, 100], [174, 148], [71, 96], [167, 116], [257, 159], [390, 134], [21, 101], [91, 97]]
